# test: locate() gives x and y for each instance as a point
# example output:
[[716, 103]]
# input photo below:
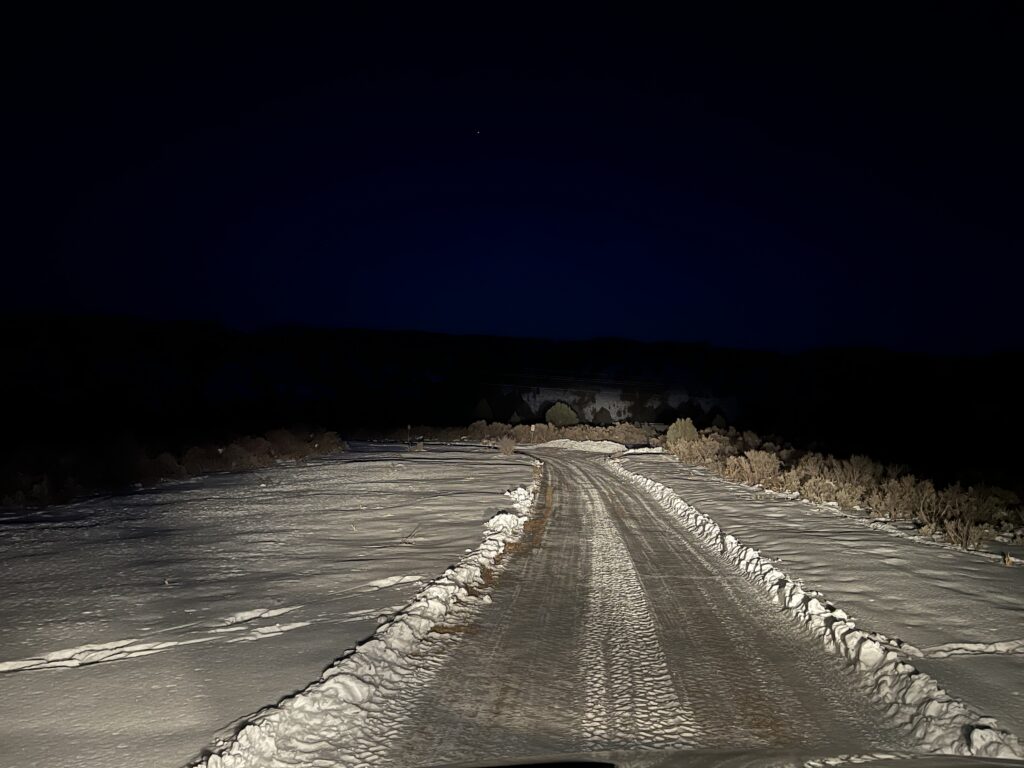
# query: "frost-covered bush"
[[561, 415]]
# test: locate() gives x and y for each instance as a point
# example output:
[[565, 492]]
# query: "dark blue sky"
[[752, 179]]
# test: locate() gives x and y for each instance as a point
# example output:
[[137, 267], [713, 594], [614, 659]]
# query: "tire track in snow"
[[731, 658], [629, 692]]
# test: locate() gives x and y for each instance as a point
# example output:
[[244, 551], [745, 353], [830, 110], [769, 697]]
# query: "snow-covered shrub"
[[561, 415]]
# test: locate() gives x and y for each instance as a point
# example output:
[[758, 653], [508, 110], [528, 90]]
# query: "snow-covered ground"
[[589, 446], [959, 615], [139, 628]]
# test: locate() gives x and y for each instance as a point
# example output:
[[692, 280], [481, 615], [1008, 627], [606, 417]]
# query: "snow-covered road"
[[960, 614], [609, 625], [615, 629]]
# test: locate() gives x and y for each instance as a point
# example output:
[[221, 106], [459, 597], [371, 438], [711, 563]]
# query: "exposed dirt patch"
[[533, 529]]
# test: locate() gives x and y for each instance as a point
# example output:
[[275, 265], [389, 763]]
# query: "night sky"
[[764, 179]]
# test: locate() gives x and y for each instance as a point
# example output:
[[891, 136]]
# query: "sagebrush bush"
[[962, 516], [285, 444], [706, 451], [328, 442], [681, 430], [162, 467], [237, 458], [259, 448], [963, 533], [201, 460], [507, 445], [561, 415]]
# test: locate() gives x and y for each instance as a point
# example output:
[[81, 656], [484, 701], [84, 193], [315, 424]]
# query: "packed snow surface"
[[591, 446], [139, 628], [896, 607]]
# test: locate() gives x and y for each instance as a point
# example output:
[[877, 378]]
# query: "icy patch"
[[939, 721], [392, 581], [973, 649], [591, 446], [337, 710], [240, 624], [95, 653], [258, 613]]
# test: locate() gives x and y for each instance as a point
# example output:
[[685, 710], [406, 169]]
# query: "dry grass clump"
[[507, 445]]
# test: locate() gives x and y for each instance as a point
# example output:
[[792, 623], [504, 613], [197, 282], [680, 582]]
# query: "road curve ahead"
[[616, 630]]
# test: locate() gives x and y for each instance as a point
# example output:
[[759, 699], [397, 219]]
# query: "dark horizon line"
[[15, 316]]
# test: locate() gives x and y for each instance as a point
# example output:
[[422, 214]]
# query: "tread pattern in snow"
[[629, 691]]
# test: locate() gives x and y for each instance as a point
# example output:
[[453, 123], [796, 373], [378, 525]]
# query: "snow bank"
[[937, 720], [591, 446], [338, 707]]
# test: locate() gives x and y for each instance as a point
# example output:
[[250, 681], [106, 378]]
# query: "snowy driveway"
[[619, 630]]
